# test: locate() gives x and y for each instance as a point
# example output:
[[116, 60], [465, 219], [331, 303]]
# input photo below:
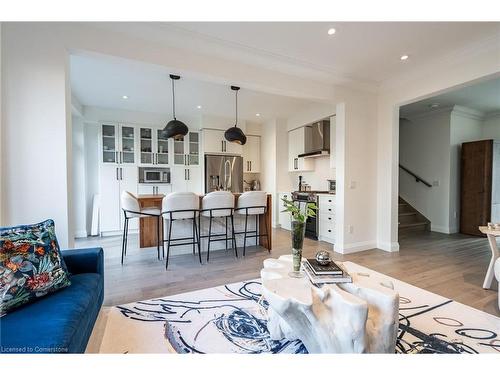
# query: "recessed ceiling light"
[[331, 31], [257, 114], [404, 57], [199, 106], [125, 97], [433, 105]]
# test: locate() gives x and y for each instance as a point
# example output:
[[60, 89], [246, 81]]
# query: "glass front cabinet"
[[187, 149], [146, 145], [154, 146], [118, 144]]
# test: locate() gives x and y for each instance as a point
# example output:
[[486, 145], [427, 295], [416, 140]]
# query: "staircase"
[[410, 220]]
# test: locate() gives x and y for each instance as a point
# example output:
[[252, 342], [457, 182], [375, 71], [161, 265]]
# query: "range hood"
[[316, 139]]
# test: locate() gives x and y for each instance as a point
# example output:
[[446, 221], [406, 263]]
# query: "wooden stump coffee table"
[[357, 317]]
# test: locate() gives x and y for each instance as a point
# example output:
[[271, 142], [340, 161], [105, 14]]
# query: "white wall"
[[1, 127], [269, 162], [465, 126], [91, 142], [79, 215], [35, 129]]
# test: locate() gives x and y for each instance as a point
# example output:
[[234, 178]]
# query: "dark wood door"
[[476, 180]]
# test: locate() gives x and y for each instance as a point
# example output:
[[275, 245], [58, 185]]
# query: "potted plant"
[[299, 214]]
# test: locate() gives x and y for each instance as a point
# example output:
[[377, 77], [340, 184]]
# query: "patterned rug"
[[232, 319]]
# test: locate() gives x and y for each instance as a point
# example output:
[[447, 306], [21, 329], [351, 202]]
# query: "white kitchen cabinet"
[[154, 189], [284, 218], [109, 198], [117, 144], [113, 180], [326, 217], [251, 154], [154, 147], [187, 150], [186, 178], [295, 148], [215, 143]]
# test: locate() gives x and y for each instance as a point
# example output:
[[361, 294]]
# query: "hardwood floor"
[[453, 266]]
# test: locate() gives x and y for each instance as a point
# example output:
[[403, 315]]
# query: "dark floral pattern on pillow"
[[31, 264]]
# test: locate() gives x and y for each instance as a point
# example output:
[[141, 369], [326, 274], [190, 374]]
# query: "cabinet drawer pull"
[[117, 174]]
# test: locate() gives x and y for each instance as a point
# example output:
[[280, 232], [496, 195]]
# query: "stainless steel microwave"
[[154, 175]]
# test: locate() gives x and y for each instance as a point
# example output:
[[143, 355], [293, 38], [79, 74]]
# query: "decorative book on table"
[[330, 269], [325, 279]]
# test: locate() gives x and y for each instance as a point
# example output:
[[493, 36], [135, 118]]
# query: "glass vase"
[[298, 232]]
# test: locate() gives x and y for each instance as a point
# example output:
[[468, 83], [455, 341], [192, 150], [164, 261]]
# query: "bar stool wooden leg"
[[267, 234]]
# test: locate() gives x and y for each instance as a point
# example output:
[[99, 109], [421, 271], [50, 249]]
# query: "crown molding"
[[467, 112], [429, 113]]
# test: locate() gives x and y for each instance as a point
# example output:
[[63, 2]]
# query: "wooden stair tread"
[[407, 213], [410, 225]]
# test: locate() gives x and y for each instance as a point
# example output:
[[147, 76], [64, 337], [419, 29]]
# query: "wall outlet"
[[352, 185], [351, 229], [435, 183]]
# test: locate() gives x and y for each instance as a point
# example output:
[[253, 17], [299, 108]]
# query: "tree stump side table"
[[357, 317]]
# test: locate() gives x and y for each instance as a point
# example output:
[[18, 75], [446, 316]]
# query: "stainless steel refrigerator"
[[223, 173]]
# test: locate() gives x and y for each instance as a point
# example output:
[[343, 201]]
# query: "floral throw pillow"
[[31, 264]]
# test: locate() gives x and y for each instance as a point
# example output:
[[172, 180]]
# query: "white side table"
[[357, 317], [492, 234]]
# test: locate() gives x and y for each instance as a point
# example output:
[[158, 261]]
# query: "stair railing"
[[417, 177]]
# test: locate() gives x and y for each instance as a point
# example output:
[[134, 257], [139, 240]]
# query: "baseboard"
[[441, 229], [354, 247], [391, 247], [81, 234]]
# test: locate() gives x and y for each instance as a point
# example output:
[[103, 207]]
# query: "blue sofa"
[[63, 321]]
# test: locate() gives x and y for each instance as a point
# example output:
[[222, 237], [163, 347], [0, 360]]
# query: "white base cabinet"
[[113, 180], [326, 217], [154, 189], [186, 179]]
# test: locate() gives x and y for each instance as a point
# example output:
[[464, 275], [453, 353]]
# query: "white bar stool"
[[218, 204], [252, 203], [132, 210], [181, 206]]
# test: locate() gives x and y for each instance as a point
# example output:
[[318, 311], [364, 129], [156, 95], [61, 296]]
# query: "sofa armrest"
[[84, 260]]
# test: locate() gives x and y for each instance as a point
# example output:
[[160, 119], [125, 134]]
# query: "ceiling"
[[363, 52], [102, 82], [483, 97]]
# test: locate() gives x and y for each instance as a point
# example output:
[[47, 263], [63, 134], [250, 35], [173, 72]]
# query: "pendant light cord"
[[173, 97], [236, 122]]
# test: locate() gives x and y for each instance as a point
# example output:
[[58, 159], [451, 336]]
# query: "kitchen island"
[[181, 228]]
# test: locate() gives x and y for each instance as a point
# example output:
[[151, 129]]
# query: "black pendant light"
[[175, 129], [235, 134]]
